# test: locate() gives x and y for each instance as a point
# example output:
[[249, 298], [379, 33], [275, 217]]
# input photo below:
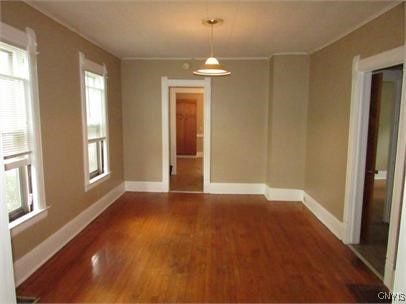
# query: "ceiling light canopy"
[[212, 67]]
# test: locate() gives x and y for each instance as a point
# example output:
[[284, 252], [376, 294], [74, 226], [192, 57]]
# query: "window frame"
[[92, 180], [26, 40]]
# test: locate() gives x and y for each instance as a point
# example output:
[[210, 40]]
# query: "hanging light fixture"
[[212, 67]]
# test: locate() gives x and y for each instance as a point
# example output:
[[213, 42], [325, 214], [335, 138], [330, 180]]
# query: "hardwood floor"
[[180, 247], [189, 175], [374, 246]]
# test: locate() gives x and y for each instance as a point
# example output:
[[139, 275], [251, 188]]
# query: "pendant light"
[[212, 67]]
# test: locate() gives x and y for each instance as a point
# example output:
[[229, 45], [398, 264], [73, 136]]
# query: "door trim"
[[357, 144], [186, 83]]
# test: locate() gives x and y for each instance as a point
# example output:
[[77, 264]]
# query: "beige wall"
[[329, 105], [239, 119], [287, 122], [199, 115], [61, 124]]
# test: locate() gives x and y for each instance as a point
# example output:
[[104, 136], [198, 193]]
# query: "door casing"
[[357, 144], [166, 84]]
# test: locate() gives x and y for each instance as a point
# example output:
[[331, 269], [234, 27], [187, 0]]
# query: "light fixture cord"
[[211, 41]]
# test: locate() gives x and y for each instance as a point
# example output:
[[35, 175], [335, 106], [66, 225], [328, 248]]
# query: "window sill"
[[97, 180], [27, 221]]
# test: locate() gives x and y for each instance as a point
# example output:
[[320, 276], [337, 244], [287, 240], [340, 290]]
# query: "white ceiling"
[[163, 29]]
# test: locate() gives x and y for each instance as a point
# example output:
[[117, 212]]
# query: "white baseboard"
[[29, 263], [329, 220], [380, 175], [235, 188], [273, 194], [280, 194], [145, 186]]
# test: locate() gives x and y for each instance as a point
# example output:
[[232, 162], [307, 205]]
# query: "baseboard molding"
[[272, 194], [329, 220], [235, 188], [281, 194], [145, 186], [29, 263]]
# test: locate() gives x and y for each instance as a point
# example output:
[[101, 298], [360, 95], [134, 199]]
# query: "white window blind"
[[15, 130], [95, 106]]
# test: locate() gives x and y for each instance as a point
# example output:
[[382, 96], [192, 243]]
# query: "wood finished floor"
[[189, 175], [374, 247], [181, 247]]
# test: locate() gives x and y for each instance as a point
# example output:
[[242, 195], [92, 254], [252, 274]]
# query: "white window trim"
[[100, 69], [27, 40]]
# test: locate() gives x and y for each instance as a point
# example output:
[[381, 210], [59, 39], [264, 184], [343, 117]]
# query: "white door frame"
[[186, 83], [172, 120], [357, 147]]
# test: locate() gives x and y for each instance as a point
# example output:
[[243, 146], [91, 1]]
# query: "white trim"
[[7, 286], [299, 53], [281, 194], [100, 69], [185, 83], [199, 154], [27, 41], [382, 60], [165, 132], [95, 181], [13, 36], [357, 146], [357, 139], [234, 188], [359, 25], [381, 175], [37, 165], [35, 5], [400, 274], [26, 221], [129, 58], [329, 220], [398, 183], [29, 263], [137, 186]]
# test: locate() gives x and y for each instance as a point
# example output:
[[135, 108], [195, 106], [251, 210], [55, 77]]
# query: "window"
[[21, 158], [95, 123]]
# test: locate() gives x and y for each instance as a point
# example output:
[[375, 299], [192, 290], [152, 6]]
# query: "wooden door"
[[372, 143], [186, 127]]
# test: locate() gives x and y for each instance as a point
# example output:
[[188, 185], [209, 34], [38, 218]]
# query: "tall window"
[[94, 105], [19, 131]]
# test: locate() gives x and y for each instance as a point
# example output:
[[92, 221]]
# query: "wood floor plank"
[[180, 247]]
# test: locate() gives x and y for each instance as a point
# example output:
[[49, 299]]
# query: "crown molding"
[[34, 5], [68, 26], [288, 53], [359, 25], [192, 58]]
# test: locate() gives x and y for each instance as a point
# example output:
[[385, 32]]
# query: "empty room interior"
[[202, 151]]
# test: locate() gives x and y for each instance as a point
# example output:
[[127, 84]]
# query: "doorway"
[[169, 157], [383, 124], [186, 139], [373, 194]]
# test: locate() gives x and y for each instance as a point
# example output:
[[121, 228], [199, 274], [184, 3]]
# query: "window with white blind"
[[20, 150], [95, 123]]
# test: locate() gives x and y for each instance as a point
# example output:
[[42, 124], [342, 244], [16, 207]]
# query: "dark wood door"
[[186, 127], [373, 125]]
